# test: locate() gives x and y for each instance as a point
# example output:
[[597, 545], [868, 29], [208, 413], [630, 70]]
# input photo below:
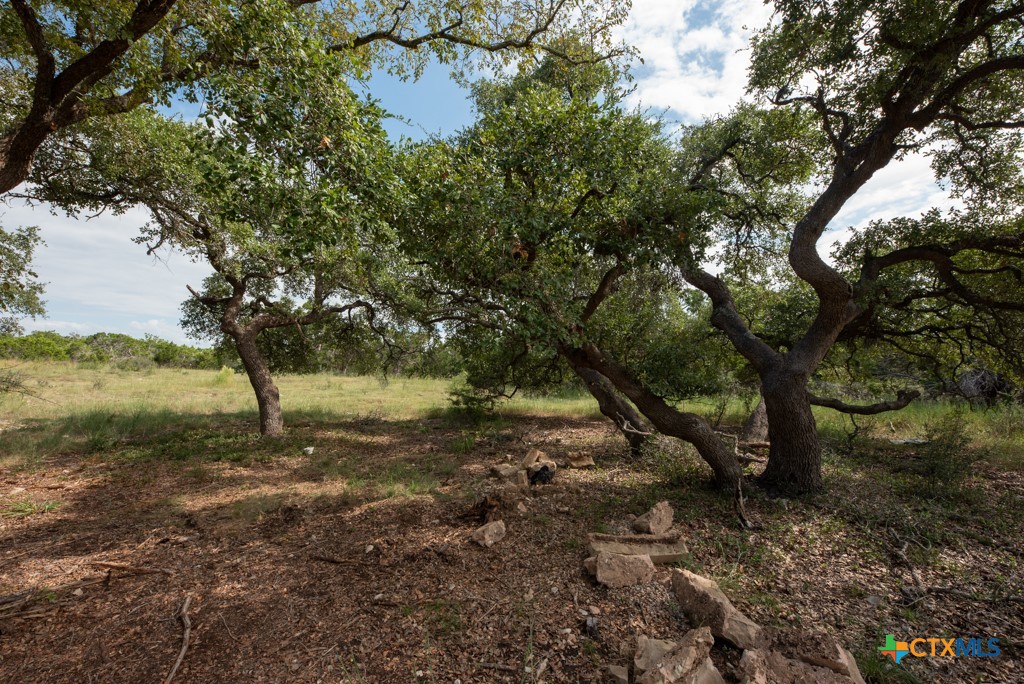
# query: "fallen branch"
[[741, 511], [335, 561], [900, 552], [626, 426], [968, 596], [186, 632], [497, 666], [131, 569], [11, 605]]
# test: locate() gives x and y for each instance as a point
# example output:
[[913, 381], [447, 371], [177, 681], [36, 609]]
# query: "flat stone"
[[812, 647], [705, 604], [658, 520], [505, 471], [488, 535], [581, 461], [649, 653], [615, 570], [532, 457], [771, 667], [688, 663], [617, 674], [665, 548]]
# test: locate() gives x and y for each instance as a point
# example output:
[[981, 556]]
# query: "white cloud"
[[903, 188], [98, 279], [696, 60], [696, 54], [33, 324]]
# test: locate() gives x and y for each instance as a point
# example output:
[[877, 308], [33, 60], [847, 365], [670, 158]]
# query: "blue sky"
[[695, 60]]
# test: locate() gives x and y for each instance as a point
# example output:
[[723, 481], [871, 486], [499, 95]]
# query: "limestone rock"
[[581, 461], [658, 520], [489, 534], [814, 648], [542, 472], [649, 653], [687, 663], [666, 548], [615, 570], [504, 471], [532, 457], [771, 667], [617, 674], [522, 479], [705, 604]]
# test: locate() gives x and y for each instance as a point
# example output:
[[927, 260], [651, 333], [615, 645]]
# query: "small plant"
[[225, 376], [23, 509], [946, 458], [463, 444], [879, 669]]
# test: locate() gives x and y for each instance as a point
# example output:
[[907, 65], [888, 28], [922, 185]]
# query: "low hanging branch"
[[903, 398]]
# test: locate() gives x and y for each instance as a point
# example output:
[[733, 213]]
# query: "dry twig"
[[131, 569], [186, 633]]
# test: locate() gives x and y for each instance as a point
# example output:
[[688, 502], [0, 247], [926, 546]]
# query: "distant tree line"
[[287, 351], [104, 348]]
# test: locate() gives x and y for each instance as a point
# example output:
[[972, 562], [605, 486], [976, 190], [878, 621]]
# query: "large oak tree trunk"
[[615, 408], [794, 458], [267, 396]]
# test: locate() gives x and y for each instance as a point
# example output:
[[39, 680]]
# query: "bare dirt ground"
[[353, 565]]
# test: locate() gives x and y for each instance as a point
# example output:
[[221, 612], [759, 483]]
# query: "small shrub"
[[946, 458], [225, 376], [673, 462]]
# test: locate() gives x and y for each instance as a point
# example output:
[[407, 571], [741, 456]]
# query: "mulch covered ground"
[[316, 568]]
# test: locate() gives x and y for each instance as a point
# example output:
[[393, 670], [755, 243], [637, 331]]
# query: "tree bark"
[[17, 150], [668, 420], [794, 458], [755, 428], [626, 419], [267, 395]]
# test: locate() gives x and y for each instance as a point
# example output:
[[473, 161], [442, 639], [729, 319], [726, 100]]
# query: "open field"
[[163, 471]]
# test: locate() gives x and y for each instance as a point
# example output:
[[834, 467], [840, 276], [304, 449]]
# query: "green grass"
[[22, 509]]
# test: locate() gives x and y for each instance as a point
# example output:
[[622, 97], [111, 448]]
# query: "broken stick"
[[186, 632]]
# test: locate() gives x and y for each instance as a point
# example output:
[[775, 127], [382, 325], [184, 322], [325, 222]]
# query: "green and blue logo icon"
[[937, 647]]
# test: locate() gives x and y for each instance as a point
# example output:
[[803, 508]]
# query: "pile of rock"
[[628, 559], [770, 655], [532, 467]]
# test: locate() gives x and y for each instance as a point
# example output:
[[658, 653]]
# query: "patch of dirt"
[[353, 564]]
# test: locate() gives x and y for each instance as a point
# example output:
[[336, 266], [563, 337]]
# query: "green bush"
[[946, 458]]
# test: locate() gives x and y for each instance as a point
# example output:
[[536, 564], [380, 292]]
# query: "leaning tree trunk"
[[666, 419], [794, 458], [267, 396], [755, 429], [615, 408]]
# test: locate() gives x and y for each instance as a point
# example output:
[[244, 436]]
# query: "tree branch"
[[903, 398]]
